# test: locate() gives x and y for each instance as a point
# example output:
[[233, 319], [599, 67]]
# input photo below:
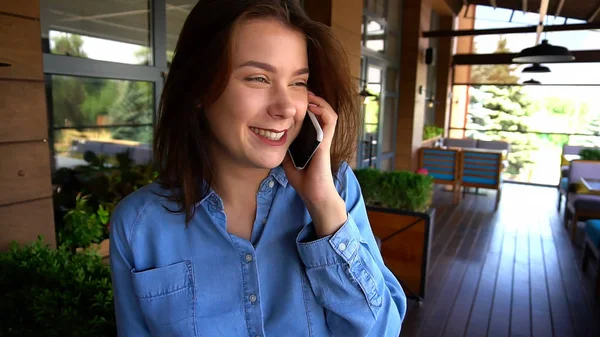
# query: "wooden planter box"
[[405, 245], [429, 142]]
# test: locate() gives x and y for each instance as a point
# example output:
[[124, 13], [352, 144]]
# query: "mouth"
[[269, 134]]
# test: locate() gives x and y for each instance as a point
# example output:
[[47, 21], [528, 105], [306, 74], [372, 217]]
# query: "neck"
[[235, 183]]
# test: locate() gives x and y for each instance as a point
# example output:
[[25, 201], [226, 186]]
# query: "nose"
[[282, 105]]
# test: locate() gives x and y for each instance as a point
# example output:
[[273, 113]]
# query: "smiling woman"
[[232, 239]]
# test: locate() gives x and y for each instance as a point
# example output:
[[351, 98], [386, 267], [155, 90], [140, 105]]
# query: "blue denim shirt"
[[170, 280]]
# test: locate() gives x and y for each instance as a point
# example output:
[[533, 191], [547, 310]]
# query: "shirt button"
[[252, 298], [248, 257], [342, 246], [271, 184]]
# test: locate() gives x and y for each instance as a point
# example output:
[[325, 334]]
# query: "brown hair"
[[200, 72]]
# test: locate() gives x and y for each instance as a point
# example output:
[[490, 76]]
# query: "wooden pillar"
[[25, 189], [444, 75], [416, 17], [462, 74]]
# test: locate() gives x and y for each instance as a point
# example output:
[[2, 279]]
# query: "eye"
[[258, 79], [300, 84]]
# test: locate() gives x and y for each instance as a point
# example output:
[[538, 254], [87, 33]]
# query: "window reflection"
[[104, 116], [70, 145], [110, 30], [177, 12]]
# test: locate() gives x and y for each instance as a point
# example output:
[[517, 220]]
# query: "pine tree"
[[135, 107], [503, 109]]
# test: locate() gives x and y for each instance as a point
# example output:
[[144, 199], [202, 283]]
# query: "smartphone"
[[307, 142]]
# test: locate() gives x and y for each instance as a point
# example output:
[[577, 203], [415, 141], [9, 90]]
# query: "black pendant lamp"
[[536, 68], [532, 82], [544, 52]]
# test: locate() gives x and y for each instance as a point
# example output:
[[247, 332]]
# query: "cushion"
[[479, 180], [588, 202], [592, 230], [564, 184]]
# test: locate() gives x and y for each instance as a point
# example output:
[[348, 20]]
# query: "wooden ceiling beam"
[[514, 30], [540, 27], [594, 15], [581, 56], [559, 8]]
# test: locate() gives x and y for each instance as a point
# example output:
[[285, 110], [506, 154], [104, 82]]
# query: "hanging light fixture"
[[544, 52], [536, 68], [366, 94], [532, 82]]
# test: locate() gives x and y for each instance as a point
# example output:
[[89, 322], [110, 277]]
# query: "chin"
[[269, 163]]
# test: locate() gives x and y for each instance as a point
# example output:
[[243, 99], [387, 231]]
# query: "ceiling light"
[[532, 82], [536, 68], [544, 52]]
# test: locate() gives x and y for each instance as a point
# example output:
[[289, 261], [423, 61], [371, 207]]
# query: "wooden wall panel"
[[21, 46], [24, 172], [23, 223], [28, 8], [22, 111]]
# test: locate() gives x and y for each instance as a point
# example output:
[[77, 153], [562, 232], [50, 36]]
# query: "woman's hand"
[[315, 183]]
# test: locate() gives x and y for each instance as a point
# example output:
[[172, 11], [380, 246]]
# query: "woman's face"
[[263, 105]]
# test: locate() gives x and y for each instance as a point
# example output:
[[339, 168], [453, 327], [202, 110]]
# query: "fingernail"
[[311, 93], [312, 105]]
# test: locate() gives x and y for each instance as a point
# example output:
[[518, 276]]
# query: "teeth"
[[268, 134]]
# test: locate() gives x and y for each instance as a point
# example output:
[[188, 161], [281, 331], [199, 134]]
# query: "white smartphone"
[[307, 142]]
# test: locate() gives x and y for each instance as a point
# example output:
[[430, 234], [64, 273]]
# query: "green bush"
[[105, 186], [396, 189], [431, 131], [590, 154], [83, 226], [54, 293]]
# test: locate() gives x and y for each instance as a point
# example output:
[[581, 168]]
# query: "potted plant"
[[431, 134], [400, 213], [590, 154]]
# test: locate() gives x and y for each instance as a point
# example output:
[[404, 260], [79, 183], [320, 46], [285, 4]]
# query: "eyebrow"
[[270, 68]]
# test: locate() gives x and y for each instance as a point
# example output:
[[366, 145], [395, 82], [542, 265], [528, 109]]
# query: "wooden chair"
[[442, 165], [592, 246], [581, 205], [482, 169]]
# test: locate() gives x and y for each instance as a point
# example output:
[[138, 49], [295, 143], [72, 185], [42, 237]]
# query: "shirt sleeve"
[[130, 321], [347, 273]]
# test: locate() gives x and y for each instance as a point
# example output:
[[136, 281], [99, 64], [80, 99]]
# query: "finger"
[[312, 98], [327, 115]]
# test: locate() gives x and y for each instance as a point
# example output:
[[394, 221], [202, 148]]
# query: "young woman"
[[232, 239]]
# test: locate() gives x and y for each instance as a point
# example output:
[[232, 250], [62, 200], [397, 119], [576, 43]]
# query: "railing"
[[534, 156]]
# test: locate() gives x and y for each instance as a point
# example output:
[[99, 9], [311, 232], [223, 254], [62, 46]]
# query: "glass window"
[[104, 116], [375, 36], [105, 30], [70, 145], [82, 102], [177, 12], [536, 120]]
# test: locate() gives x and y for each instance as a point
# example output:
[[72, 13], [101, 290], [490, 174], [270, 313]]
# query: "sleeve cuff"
[[341, 247]]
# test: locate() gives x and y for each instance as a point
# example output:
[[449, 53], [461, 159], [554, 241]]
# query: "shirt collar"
[[277, 173]]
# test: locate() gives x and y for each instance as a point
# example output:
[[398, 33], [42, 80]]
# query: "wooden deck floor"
[[510, 273]]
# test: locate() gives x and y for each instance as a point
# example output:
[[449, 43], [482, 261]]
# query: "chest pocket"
[[166, 296]]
